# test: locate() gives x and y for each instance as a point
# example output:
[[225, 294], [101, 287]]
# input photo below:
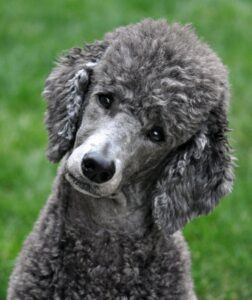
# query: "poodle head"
[[149, 103]]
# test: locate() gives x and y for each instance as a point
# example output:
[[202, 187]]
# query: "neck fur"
[[129, 212]]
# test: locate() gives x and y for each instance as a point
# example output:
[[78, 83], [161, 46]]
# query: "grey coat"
[[139, 123]]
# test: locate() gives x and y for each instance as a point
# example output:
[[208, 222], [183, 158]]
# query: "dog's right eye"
[[105, 101]]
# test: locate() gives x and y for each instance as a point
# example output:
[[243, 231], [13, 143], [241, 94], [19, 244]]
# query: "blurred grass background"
[[32, 34]]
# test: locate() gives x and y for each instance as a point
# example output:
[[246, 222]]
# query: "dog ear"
[[197, 174], [65, 91]]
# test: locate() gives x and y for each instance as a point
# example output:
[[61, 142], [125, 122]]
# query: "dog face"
[[119, 138], [150, 99]]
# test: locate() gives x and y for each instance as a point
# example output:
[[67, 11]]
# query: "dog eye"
[[156, 134], [105, 100]]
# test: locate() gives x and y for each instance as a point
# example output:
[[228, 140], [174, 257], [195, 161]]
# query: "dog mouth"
[[81, 186], [87, 188]]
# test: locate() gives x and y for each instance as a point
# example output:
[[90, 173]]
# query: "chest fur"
[[109, 267]]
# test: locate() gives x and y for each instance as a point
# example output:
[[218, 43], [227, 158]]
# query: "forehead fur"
[[154, 64]]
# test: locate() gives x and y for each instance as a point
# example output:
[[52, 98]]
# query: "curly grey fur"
[[120, 240], [65, 89]]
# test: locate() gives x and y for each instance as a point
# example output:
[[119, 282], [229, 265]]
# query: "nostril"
[[89, 164]]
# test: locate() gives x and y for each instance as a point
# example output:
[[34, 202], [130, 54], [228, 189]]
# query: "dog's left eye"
[[105, 100], [156, 134]]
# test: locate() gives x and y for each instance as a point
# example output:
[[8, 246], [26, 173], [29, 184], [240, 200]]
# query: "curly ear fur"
[[65, 91], [197, 174]]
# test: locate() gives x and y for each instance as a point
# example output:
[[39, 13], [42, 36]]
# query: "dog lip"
[[80, 186], [77, 180], [71, 176], [85, 187]]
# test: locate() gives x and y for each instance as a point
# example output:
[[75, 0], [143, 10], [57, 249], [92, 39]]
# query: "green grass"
[[32, 34]]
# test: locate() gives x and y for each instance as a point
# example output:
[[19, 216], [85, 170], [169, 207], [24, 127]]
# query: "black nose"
[[97, 168]]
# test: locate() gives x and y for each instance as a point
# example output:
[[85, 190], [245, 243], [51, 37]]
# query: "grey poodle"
[[139, 122]]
